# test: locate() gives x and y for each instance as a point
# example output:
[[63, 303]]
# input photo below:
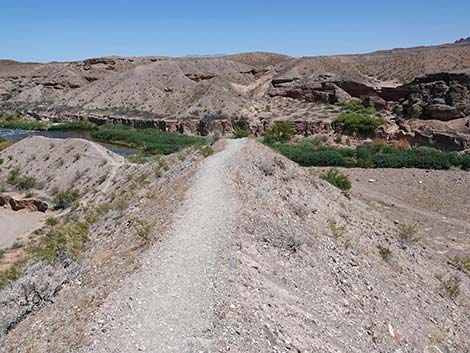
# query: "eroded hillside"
[[243, 251]]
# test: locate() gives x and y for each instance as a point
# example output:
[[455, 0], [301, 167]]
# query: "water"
[[16, 135]]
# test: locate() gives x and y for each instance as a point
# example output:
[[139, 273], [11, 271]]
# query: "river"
[[16, 135]]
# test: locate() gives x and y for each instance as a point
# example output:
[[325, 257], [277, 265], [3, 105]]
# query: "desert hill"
[[229, 84], [243, 251]]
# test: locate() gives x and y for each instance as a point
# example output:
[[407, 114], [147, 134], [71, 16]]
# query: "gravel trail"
[[168, 306]]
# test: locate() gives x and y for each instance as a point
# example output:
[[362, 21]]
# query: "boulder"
[[442, 112], [376, 102], [32, 205]]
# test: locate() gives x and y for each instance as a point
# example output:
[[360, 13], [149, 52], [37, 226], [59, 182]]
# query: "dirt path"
[[168, 306]]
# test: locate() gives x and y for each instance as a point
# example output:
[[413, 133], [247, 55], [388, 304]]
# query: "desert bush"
[[9, 275], [355, 105], [16, 245], [62, 243], [143, 229], [25, 183], [462, 264], [356, 122], [21, 182], [385, 252], [206, 151], [338, 231], [103, 208], [407, 233], [52, 221], [450, 286], [241, 134], [336, 178], [280, 132], [65, 199]]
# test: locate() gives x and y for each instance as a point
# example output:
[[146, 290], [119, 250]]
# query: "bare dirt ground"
[[436, 202], [17, 225]]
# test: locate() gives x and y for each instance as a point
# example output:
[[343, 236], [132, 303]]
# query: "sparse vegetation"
[[336, 178], [407, 233], [450, 286], [360, 123], [74, 125], [338, 231], [206, 151], [65, 199], [52, 221], [385, 252], [143, 229], [241, 134], [20, 182], [355, 105], [463, 264], [61, 243], [280, 132], [10, 275]]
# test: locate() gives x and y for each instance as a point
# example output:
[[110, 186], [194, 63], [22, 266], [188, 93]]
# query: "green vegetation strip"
[[147, 140], [23, 125], [372, 156], [153, 141], [74, 125]]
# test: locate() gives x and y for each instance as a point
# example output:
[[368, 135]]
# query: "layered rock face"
[[442, 96]]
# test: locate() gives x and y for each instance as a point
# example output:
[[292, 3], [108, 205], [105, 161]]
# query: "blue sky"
[[71, 30]]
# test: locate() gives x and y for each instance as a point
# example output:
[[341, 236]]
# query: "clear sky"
[[47, 30]]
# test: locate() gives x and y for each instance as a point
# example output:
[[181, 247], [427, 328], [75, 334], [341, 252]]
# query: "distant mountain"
[[195, 56], [463, 40]]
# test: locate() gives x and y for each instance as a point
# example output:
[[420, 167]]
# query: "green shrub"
[[450, 286], [148, 140], [13, 176], [74, 125], [336, 178], [25, 183], [338, 231], [143, 230], [60, 243], [356, 122], [462, 264], [206, 151], [9, 275], [52, 221], [23, 125], [372, 156], [65, 199], [241, 134], [280, 132], [21, 182], [407, 233], [356, 106], [385, 252]]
